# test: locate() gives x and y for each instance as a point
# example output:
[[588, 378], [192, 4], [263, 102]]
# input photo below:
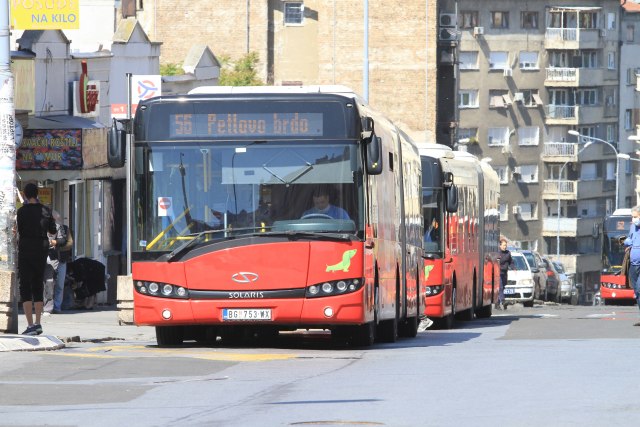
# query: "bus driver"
[[322, 205]]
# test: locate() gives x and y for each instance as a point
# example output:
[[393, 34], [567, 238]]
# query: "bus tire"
[[169, 335], [364, 335], [485, 312], [409, 328]]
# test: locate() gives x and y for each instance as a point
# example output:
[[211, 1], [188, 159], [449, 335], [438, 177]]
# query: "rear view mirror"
[[374, 158], [116, 145]]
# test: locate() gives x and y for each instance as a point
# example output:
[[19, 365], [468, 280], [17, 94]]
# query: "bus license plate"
[[246, 314], [509, 291]]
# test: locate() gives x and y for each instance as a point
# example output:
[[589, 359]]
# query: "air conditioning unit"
[[516, 210], [518, 97], [507, 72], [478, 31], [506, 149], [448, 34], [448, 20], [517, 170]]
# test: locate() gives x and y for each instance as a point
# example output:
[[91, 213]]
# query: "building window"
[[586, 97], [628, 122], [504, 209], [611, 21], [528, 60], [498, 60], [611, 60], [293, 13], [529, 135], [528, 211], [499, 99], [503, 174], [499, 19], [526, 173], [468, 99], [529, 20], [530, 98], [468, 133], [468, 19], [468, 60], [498, 136], [631, 29], [632, 75], [589, 20]]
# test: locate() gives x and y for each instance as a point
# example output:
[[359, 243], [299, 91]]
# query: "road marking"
[[112, 352]]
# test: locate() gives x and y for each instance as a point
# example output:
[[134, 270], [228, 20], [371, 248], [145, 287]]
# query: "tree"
[[171, 69], [241, 72]]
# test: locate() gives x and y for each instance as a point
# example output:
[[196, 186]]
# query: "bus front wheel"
[[169, 335]]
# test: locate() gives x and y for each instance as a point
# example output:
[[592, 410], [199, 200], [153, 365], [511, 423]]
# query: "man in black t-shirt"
[[35, 222]]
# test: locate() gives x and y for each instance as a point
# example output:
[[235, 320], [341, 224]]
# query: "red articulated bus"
[[263, 209], [460, 200], [614, 286]]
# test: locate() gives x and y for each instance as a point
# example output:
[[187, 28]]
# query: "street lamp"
[[593, 138], [558, 189]]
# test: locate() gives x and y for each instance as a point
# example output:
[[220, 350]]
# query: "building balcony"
[[574, 38], [574, 114], [562, 189], [573, 77], [560, 152], [568, 227]]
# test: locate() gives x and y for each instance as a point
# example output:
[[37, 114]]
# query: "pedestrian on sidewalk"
[[35, 221], [632, 244], [505, 262], [59, 256]]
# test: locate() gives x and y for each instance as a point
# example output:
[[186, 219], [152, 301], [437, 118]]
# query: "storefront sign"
[[50, 149], [45, 15]]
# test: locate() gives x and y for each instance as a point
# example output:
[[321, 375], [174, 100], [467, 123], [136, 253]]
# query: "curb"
[[10, 342]]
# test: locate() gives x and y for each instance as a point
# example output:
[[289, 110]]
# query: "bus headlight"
[[333, 287], [163, 290]]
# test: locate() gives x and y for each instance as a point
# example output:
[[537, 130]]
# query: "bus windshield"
[[229, 189], [615, 229]]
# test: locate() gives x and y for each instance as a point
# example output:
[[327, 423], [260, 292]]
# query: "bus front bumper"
[[300, 312]]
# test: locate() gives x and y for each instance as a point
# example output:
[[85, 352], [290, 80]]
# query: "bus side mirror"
[[452, 199], [116, 145], [374, 159], [451, 193]]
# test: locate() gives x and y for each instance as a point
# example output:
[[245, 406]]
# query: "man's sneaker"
[[38, 328], [32, 330]]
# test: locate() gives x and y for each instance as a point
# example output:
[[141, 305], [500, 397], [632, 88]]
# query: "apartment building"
[[538, 93]]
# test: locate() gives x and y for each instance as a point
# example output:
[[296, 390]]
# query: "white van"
[[520, 284]]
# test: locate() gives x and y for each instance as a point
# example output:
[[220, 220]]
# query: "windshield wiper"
[[196, 236], [308, 234]]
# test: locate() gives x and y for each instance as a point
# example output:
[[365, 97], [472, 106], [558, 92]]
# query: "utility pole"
[[8, 298]]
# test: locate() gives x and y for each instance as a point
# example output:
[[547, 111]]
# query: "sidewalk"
[[99, 324]]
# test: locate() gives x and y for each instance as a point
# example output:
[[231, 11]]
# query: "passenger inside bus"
[[433, 232], [322, 205]]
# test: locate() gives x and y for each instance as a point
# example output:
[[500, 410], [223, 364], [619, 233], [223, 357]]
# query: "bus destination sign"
[[245, 125]]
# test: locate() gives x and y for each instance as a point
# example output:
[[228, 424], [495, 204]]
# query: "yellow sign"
[[45, 14]]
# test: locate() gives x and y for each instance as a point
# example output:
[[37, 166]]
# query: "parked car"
[[568, 290], [520, 283], [553, 280], [539, 273]]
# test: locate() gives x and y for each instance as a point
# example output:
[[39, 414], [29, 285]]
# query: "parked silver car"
[[568, 290], [539, 273]]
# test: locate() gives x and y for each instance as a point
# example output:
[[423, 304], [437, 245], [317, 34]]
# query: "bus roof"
[[436, 151], [622, 212], [218, 90]]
